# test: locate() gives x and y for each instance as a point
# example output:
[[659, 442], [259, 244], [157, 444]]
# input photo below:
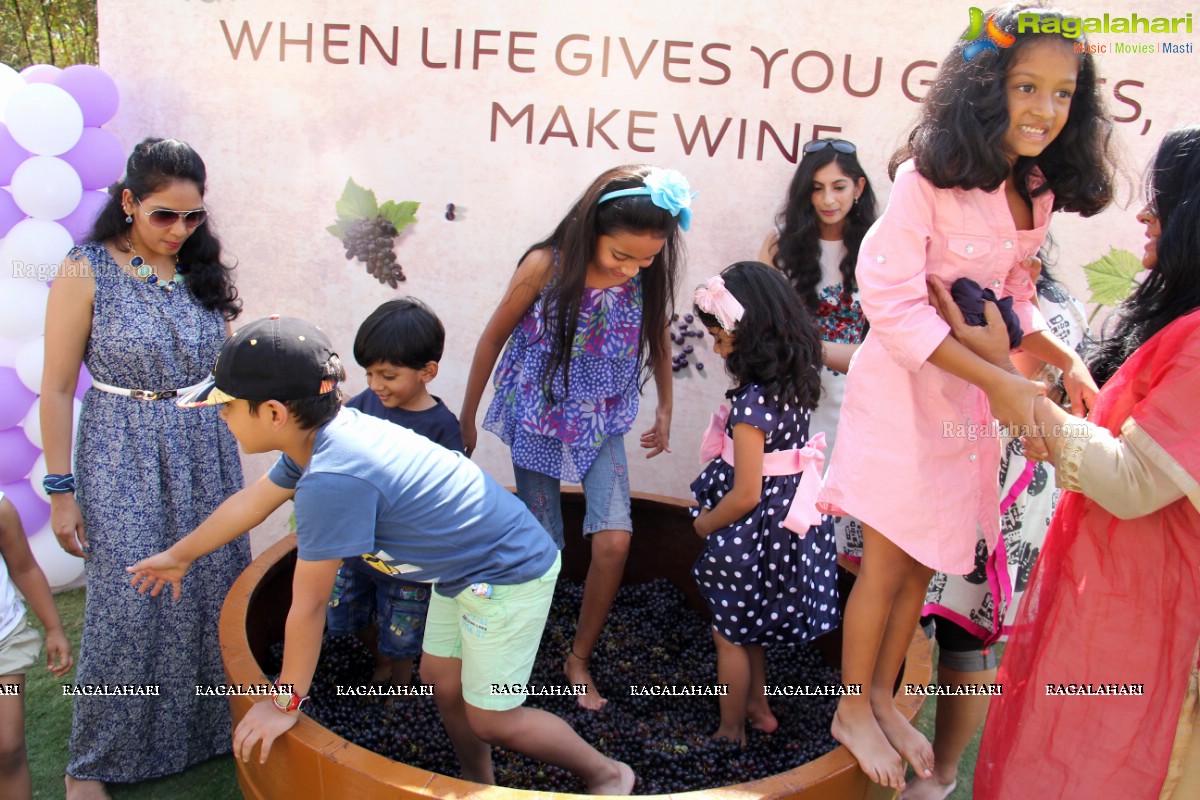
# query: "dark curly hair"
[[1172, 288], [964, 118], [153, 164], [798, 252], [776, 342], [575, 241]]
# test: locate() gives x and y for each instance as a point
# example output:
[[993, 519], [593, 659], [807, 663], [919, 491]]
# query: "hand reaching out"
[[153, 573]]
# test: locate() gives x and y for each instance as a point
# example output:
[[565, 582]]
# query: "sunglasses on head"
[[841, 145], [165, 217]]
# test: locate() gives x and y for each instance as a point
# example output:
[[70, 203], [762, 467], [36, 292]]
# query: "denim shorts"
[[958, 648], [605, 492], [362, 594]]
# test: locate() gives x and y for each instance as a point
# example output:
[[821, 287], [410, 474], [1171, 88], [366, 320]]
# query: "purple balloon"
[[15, 399], [79, 222], [10, 214], [98, 158], [11, 155], [41, 73], [94, 90], [17, 455], [31, 507], [85, 382]]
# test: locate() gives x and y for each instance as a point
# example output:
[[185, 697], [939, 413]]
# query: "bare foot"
[[576, 670], [619, 783], [860, 733], [909, 742], [85, 790], [928, 789], [763, 720], [733, 735]]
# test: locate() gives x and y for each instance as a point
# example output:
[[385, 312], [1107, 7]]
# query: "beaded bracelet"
[[59, 484]]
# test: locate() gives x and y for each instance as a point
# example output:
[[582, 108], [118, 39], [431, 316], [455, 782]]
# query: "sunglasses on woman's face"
[[165, 217], [841, 145]]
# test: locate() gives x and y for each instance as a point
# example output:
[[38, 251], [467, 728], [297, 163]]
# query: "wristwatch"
[[286, 699]]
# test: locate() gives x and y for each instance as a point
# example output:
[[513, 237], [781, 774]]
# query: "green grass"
[[48, 725]]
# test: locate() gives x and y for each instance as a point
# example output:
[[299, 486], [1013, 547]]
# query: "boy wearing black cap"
[[365, 486]]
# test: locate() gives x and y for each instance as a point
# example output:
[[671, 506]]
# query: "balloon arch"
[[55, 164]]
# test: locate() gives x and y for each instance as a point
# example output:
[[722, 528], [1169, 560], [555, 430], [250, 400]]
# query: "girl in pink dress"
[[1008, 134]]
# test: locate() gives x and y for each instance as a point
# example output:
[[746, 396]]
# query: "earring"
[[129, 218]]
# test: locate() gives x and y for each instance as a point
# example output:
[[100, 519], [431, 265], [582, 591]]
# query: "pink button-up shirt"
[[917, 457]]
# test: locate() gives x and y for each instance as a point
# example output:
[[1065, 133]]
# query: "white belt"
[[143, 394]]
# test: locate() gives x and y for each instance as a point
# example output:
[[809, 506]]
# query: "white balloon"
[[36, 473], [10, 81], [8, 348], [63, 570], [43, 119], [35, 249], [22, 309], [29, 364], [32, 425], [46, 187]]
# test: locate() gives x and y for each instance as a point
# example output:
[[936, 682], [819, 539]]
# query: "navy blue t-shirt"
[[437, 424], [418, 510]]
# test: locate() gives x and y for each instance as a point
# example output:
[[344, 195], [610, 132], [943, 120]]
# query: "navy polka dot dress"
[[763, 583]]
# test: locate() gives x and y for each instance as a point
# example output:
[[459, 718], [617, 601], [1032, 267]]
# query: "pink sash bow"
[[809, 460]]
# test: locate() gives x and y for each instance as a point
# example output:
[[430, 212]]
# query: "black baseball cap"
[[276, 358]]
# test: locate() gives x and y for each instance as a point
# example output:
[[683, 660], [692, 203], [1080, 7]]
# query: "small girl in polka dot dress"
[[769, 572]]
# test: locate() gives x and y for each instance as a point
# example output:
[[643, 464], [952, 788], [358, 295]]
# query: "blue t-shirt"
[[416, 509], [437, 424]]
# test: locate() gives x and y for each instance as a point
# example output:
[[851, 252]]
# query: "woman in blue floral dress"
[[145, 306], [585, 318]]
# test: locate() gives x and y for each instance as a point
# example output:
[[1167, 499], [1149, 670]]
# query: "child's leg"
[[910, 743], [881, 577], [608, 522], [609, 551], [758, 710], [544, 737], [15, 781], [961, 661], [733, 670], [474, 754]]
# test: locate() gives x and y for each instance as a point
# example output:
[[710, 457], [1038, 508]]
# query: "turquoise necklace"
[[146, 272]]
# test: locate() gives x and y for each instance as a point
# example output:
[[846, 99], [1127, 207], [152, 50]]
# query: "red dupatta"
[[1112, 603]]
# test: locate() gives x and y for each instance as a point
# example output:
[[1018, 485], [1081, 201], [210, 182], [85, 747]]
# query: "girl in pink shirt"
[[1012, 129]]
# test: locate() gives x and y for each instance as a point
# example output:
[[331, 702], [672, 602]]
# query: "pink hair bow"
[[714, 298]]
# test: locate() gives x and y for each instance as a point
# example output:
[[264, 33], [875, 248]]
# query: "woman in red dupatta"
[[1099, 676]]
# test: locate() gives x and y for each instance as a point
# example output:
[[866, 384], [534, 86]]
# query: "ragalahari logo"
[[988, 36]]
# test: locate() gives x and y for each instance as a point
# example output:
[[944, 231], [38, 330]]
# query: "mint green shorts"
[[496, 638]]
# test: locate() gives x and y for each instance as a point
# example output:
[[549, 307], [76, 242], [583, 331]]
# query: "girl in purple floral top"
[[585, 318]]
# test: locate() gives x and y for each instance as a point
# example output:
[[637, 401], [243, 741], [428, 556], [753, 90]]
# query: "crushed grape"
[[651, 639]]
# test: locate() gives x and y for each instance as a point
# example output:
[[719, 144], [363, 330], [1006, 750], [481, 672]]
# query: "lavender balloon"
[[98, 158], [32, 508], [10, 212], [79, 222], [17, 455], [15, 399], [95, 92], [11, 155]]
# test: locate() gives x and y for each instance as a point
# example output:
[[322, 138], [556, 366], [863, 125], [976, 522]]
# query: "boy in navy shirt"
[[362, 485], [399, 345]]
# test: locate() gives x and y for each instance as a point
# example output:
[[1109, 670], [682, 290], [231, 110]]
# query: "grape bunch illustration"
[[368, 230], [681, 361]]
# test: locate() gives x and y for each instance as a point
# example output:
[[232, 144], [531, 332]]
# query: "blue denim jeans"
[[605, 492]]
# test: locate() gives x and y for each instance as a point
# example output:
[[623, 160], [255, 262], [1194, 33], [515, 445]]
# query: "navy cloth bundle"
[[970, 297]]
